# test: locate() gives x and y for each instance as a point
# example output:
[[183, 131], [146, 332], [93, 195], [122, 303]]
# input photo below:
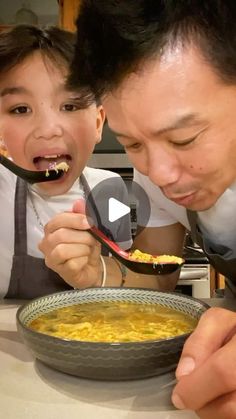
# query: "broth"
[[114, 321]]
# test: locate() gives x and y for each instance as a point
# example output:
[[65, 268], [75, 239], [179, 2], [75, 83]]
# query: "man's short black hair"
[[114, 37]]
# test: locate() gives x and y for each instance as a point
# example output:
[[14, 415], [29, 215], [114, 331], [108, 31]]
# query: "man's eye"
[[184, 143], [69, 107], [20, 110]]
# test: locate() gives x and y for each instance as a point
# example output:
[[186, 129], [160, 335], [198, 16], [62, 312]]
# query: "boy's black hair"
[[20, 41], [114, 37], [55, 44]]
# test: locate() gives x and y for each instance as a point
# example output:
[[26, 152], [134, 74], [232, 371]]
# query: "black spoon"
[[31, 176], [142, 267]]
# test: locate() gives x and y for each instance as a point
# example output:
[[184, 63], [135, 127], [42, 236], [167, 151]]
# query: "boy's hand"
[[70, 250]]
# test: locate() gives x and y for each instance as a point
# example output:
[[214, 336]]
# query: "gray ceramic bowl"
[[107, 361]]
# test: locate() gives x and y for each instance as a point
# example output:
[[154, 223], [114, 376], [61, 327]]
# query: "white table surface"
[[31, 390]]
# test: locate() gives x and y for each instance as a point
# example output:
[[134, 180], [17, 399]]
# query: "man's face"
[[41, 123], [177, 122]]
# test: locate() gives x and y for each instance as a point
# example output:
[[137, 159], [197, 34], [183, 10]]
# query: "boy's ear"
[[3, 148], [100, 122]]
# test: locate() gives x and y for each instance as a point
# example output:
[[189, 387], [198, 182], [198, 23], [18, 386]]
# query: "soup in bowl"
[[109, 333]]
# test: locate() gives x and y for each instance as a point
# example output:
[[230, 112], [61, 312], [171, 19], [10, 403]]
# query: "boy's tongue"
[[43, 163]]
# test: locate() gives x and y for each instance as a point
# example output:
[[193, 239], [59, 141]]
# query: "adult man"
[[166, 74]]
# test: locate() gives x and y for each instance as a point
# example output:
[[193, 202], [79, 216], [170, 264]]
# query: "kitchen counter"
[[31, 390]]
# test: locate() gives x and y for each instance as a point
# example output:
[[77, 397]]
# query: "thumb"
[[79, 206], [216, 327]]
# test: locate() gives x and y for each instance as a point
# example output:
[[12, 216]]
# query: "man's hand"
[[206, 372]]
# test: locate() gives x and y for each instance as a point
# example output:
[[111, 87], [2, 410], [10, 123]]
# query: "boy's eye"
[[134, 146], [20, 109], [70, 107]]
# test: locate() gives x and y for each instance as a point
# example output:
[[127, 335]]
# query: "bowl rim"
[[75, 342]]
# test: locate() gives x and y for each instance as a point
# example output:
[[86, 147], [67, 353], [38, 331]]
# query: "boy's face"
[[40, 121], [177, 122]]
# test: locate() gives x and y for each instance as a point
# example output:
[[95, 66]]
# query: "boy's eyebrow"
[[12, 91], [183, 121]]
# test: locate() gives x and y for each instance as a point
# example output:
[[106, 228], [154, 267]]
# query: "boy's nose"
[[48, 126]]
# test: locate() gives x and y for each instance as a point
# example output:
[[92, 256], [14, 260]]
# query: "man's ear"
[[100, 122]]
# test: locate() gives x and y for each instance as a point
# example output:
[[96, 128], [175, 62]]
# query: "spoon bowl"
[[31, 176], [142, 267]]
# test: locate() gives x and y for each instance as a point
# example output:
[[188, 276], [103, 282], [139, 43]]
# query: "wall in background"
[[45, 11]]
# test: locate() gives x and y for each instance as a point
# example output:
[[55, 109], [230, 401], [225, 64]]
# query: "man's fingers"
[[208, 361], [222, 408], [206, 339], [211, 379]]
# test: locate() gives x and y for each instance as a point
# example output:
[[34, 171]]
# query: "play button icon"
[[116, 210], [116, 207]]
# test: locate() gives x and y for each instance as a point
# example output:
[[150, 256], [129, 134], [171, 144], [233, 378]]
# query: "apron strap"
[[20, 242], [221, 262]]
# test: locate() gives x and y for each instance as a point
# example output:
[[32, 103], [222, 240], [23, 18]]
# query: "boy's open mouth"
[[51, 161]]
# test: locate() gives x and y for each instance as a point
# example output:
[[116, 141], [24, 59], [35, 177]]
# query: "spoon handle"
[[109, 244]]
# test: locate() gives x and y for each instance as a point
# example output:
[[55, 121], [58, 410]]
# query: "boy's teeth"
[[51, 156], [49, 161]]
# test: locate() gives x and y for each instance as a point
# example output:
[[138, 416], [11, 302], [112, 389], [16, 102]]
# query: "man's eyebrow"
[[184, 121], [12, 91]]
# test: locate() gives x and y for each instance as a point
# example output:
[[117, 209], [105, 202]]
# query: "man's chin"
[[201, 205], [196, 202]]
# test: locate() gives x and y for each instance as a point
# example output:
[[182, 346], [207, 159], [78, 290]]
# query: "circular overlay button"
[[114, 207]]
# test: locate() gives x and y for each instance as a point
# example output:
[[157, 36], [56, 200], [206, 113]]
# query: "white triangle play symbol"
[[116, 209]]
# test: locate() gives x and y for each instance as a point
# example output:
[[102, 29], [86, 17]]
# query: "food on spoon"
[[146, 257], [58, 166], [114, 321]]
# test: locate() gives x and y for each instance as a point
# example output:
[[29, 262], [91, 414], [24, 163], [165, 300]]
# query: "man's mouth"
[[184, 200], [50, 161]]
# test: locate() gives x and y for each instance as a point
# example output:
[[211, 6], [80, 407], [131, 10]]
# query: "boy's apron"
[[30, 277], [220, 261]]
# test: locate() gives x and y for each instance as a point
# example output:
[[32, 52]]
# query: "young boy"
[[42, 124]]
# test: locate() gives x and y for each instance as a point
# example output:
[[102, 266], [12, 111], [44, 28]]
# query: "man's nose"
[[48, 125], [163, 168]]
